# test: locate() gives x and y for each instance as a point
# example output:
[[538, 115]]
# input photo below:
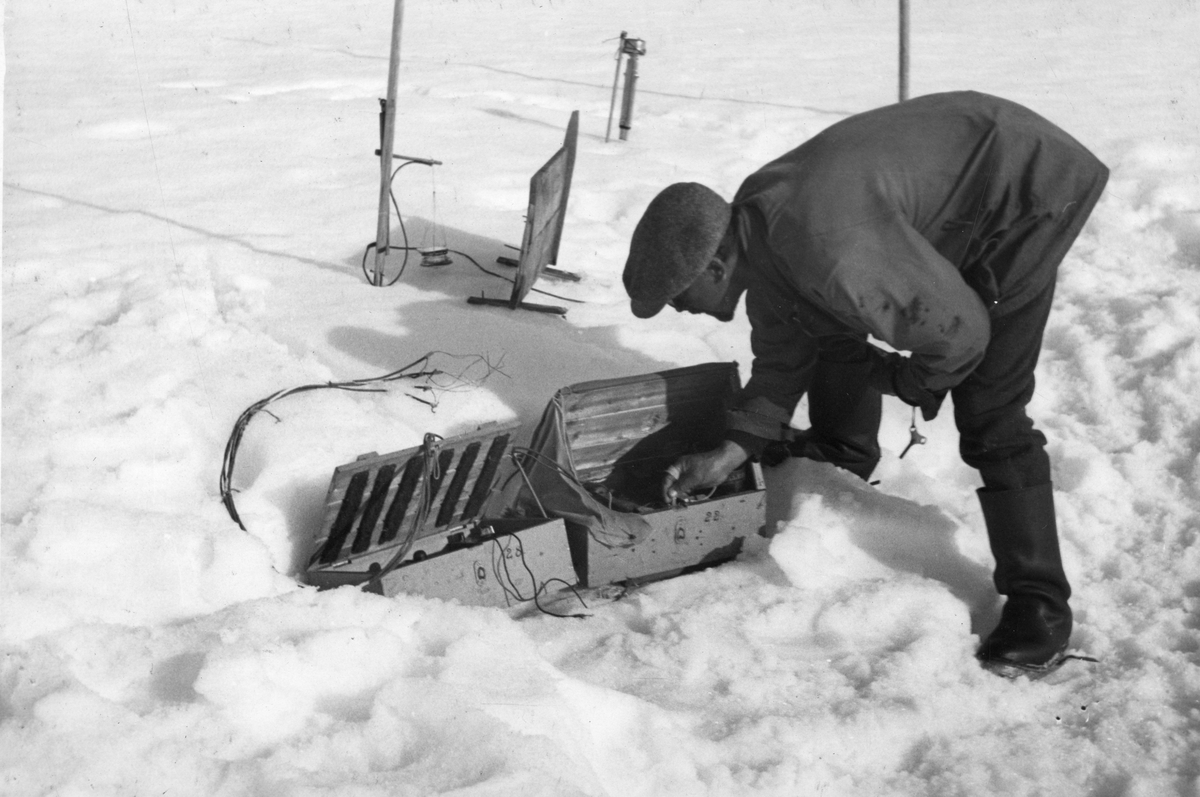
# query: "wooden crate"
[[682, 539], [425, 506]]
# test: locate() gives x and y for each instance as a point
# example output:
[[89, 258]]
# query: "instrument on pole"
[[435, 254]]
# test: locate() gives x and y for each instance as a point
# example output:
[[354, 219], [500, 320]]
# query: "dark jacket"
[[885, 224]]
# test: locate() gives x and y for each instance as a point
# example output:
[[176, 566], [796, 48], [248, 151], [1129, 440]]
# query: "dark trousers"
[[996, 436]]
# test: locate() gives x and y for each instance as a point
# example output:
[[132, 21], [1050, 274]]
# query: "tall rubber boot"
[[844, 411], [1035, 624]]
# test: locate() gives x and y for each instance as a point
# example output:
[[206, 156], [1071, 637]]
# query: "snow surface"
[[188, 191]]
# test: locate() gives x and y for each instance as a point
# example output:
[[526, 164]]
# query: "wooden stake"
[[386, 146], [903, 50], [616, 79]]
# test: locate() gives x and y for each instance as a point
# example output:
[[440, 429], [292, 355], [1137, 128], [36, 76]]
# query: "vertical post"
[[903, 50], [386, 148], [627, 97], [616, 79]]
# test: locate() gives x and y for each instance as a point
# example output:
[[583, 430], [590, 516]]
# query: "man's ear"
[[716, 271]]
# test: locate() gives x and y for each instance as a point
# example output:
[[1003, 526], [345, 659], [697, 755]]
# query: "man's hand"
[[693, 472], [892, 374]]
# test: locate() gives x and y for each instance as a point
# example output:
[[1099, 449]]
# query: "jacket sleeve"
[[784, 358], [890, 282]]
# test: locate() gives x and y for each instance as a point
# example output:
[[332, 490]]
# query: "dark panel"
[[404, 494], [345, 517], [487, 475], [373, 508], [455, 490], [549, 189]]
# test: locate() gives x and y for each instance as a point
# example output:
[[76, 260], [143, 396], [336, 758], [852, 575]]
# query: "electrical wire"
[[545, 461], [417, 369], [403, 231], [510, 280], [431, 446], [407, 249], [498, 554]]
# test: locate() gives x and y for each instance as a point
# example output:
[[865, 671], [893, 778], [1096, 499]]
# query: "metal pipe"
[[627, 97], [386, 145]]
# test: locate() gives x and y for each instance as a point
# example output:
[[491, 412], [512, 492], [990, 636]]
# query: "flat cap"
[[673, 242]]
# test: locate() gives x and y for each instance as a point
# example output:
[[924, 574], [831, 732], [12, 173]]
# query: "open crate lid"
[[656, 416], [614, 438], [378, 503]]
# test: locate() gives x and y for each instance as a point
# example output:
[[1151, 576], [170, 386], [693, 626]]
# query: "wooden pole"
[[616, 79], [903, 50], [386, 147]]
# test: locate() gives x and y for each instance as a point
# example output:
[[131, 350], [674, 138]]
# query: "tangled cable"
[[501, 573], [419, 369]]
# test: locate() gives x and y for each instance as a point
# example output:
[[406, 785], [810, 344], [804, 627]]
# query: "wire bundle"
[[419, 369]]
